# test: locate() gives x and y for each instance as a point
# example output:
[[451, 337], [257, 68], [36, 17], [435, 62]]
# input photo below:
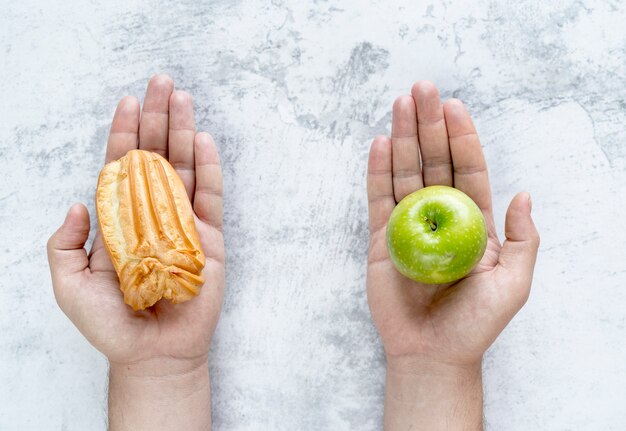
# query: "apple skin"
[[436, 235]]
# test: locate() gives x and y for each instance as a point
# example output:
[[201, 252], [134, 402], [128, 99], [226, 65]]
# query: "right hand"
[[166, 337]]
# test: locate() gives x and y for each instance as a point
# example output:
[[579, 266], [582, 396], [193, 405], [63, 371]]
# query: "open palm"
[[86, 285], [436, 144]]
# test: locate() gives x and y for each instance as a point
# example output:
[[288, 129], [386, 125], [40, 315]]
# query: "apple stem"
[[432, 224]]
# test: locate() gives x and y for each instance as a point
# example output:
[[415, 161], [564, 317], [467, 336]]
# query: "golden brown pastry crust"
[[148, 228]]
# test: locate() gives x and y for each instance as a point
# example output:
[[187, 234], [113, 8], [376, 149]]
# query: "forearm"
[[143, 397], [421, 395]]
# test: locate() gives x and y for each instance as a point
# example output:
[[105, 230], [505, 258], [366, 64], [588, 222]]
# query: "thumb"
[[519, 252], [66, 253]]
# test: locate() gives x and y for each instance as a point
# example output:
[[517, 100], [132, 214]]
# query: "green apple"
[[436, 235]]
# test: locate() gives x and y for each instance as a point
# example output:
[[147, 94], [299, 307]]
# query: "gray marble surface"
[[293, 93]]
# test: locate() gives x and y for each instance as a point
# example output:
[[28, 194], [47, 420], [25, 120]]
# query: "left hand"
[[433, 143], [435, 335]]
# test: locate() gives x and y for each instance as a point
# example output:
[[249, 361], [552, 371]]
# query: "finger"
[[154, 115], [66, 253], [519, 252], [182, 130], [124, 128], [99, 260], [407, 176], [432, 135], [380, 183], [468, 161], [208, 201]]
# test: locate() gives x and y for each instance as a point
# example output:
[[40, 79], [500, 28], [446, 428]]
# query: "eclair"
[[148, 228]]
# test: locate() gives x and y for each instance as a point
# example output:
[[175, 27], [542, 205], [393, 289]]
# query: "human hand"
[[441, 330], [165, 340]]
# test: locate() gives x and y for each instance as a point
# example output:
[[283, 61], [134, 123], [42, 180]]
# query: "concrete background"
[[293, 93]]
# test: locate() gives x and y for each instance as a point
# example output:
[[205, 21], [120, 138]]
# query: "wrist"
[[421, 365], [159, 368], [427, 394], [159, 394]]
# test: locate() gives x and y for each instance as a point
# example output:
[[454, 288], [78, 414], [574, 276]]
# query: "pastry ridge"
[[148, 228]]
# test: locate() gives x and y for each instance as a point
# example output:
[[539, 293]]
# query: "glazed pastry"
[[148, 228]]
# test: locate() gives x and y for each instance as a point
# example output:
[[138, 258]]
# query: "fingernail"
[[530, 203], [69, 213]]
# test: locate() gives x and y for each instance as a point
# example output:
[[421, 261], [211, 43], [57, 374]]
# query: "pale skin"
[[435, 335], [158, 375]]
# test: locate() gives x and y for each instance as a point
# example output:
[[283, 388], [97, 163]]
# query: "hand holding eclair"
[[165, 235]]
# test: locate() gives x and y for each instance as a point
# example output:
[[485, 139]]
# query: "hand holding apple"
[[435, 335]]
